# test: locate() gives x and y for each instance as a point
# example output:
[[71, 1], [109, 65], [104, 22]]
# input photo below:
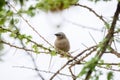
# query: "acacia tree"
[[11, 15]]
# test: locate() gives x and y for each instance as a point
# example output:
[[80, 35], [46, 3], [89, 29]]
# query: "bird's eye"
[[59, 35]]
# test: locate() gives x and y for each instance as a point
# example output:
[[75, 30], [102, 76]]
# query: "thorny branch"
[[79, 61], [75, 63], [18, 34], [69, 61], [35, 65], [22, 48], [32, 58], [105, 43], [100, 53], [30, 25]]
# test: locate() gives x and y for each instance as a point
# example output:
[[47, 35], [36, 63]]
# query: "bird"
[[61, 43]]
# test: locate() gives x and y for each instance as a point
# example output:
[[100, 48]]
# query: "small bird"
[[61, 43]]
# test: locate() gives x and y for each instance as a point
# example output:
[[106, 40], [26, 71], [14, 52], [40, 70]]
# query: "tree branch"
[[22, 48], [74, 58], [41, 70], [90, 9], [105, 42], [31, 26]]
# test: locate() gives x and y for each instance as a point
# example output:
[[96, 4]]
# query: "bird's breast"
[[62, 44]]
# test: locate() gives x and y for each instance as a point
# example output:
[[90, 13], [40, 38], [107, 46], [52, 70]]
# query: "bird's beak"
[[57, 34]]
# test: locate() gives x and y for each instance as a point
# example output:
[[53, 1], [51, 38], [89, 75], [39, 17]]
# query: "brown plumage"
[[61, 42]]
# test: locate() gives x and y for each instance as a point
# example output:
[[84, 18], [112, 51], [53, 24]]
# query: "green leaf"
[[22, 36], [88, 66], [21, 2], [55, 5], [101, 62], [29, 37], [31, 13], [27, 41], [96, 75], [9, 13], [110, 75], [108, 66], [53, 53], [2, 21], [2, 30], [13, 35], [12, 21], [35, 48], [3, 17], [2, 3]]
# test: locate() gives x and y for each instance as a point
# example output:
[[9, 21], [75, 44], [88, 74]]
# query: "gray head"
[[60, 35]]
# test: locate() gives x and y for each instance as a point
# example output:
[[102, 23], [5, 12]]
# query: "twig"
[[114, 52], [22, 48], [109, 68], [82, 26], [33, 60], [71, 61], [84, 52], [84, 45], [93, 38], [41, 70], [90, 9], [77, 62], [31, 25], [59, 70], [31, 56], [18, 33], [35, 65], [73, 76], [113, 64]]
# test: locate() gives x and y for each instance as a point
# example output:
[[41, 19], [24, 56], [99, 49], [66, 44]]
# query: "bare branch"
[[79, 61], [114, 52], [109, 68], [113, 64], [82, 26], [92, 47], [93, 38], [90, 9], [59, 70], [73, 76], [42, 70]]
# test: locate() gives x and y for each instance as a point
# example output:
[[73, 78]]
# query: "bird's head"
[[60, 35]]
